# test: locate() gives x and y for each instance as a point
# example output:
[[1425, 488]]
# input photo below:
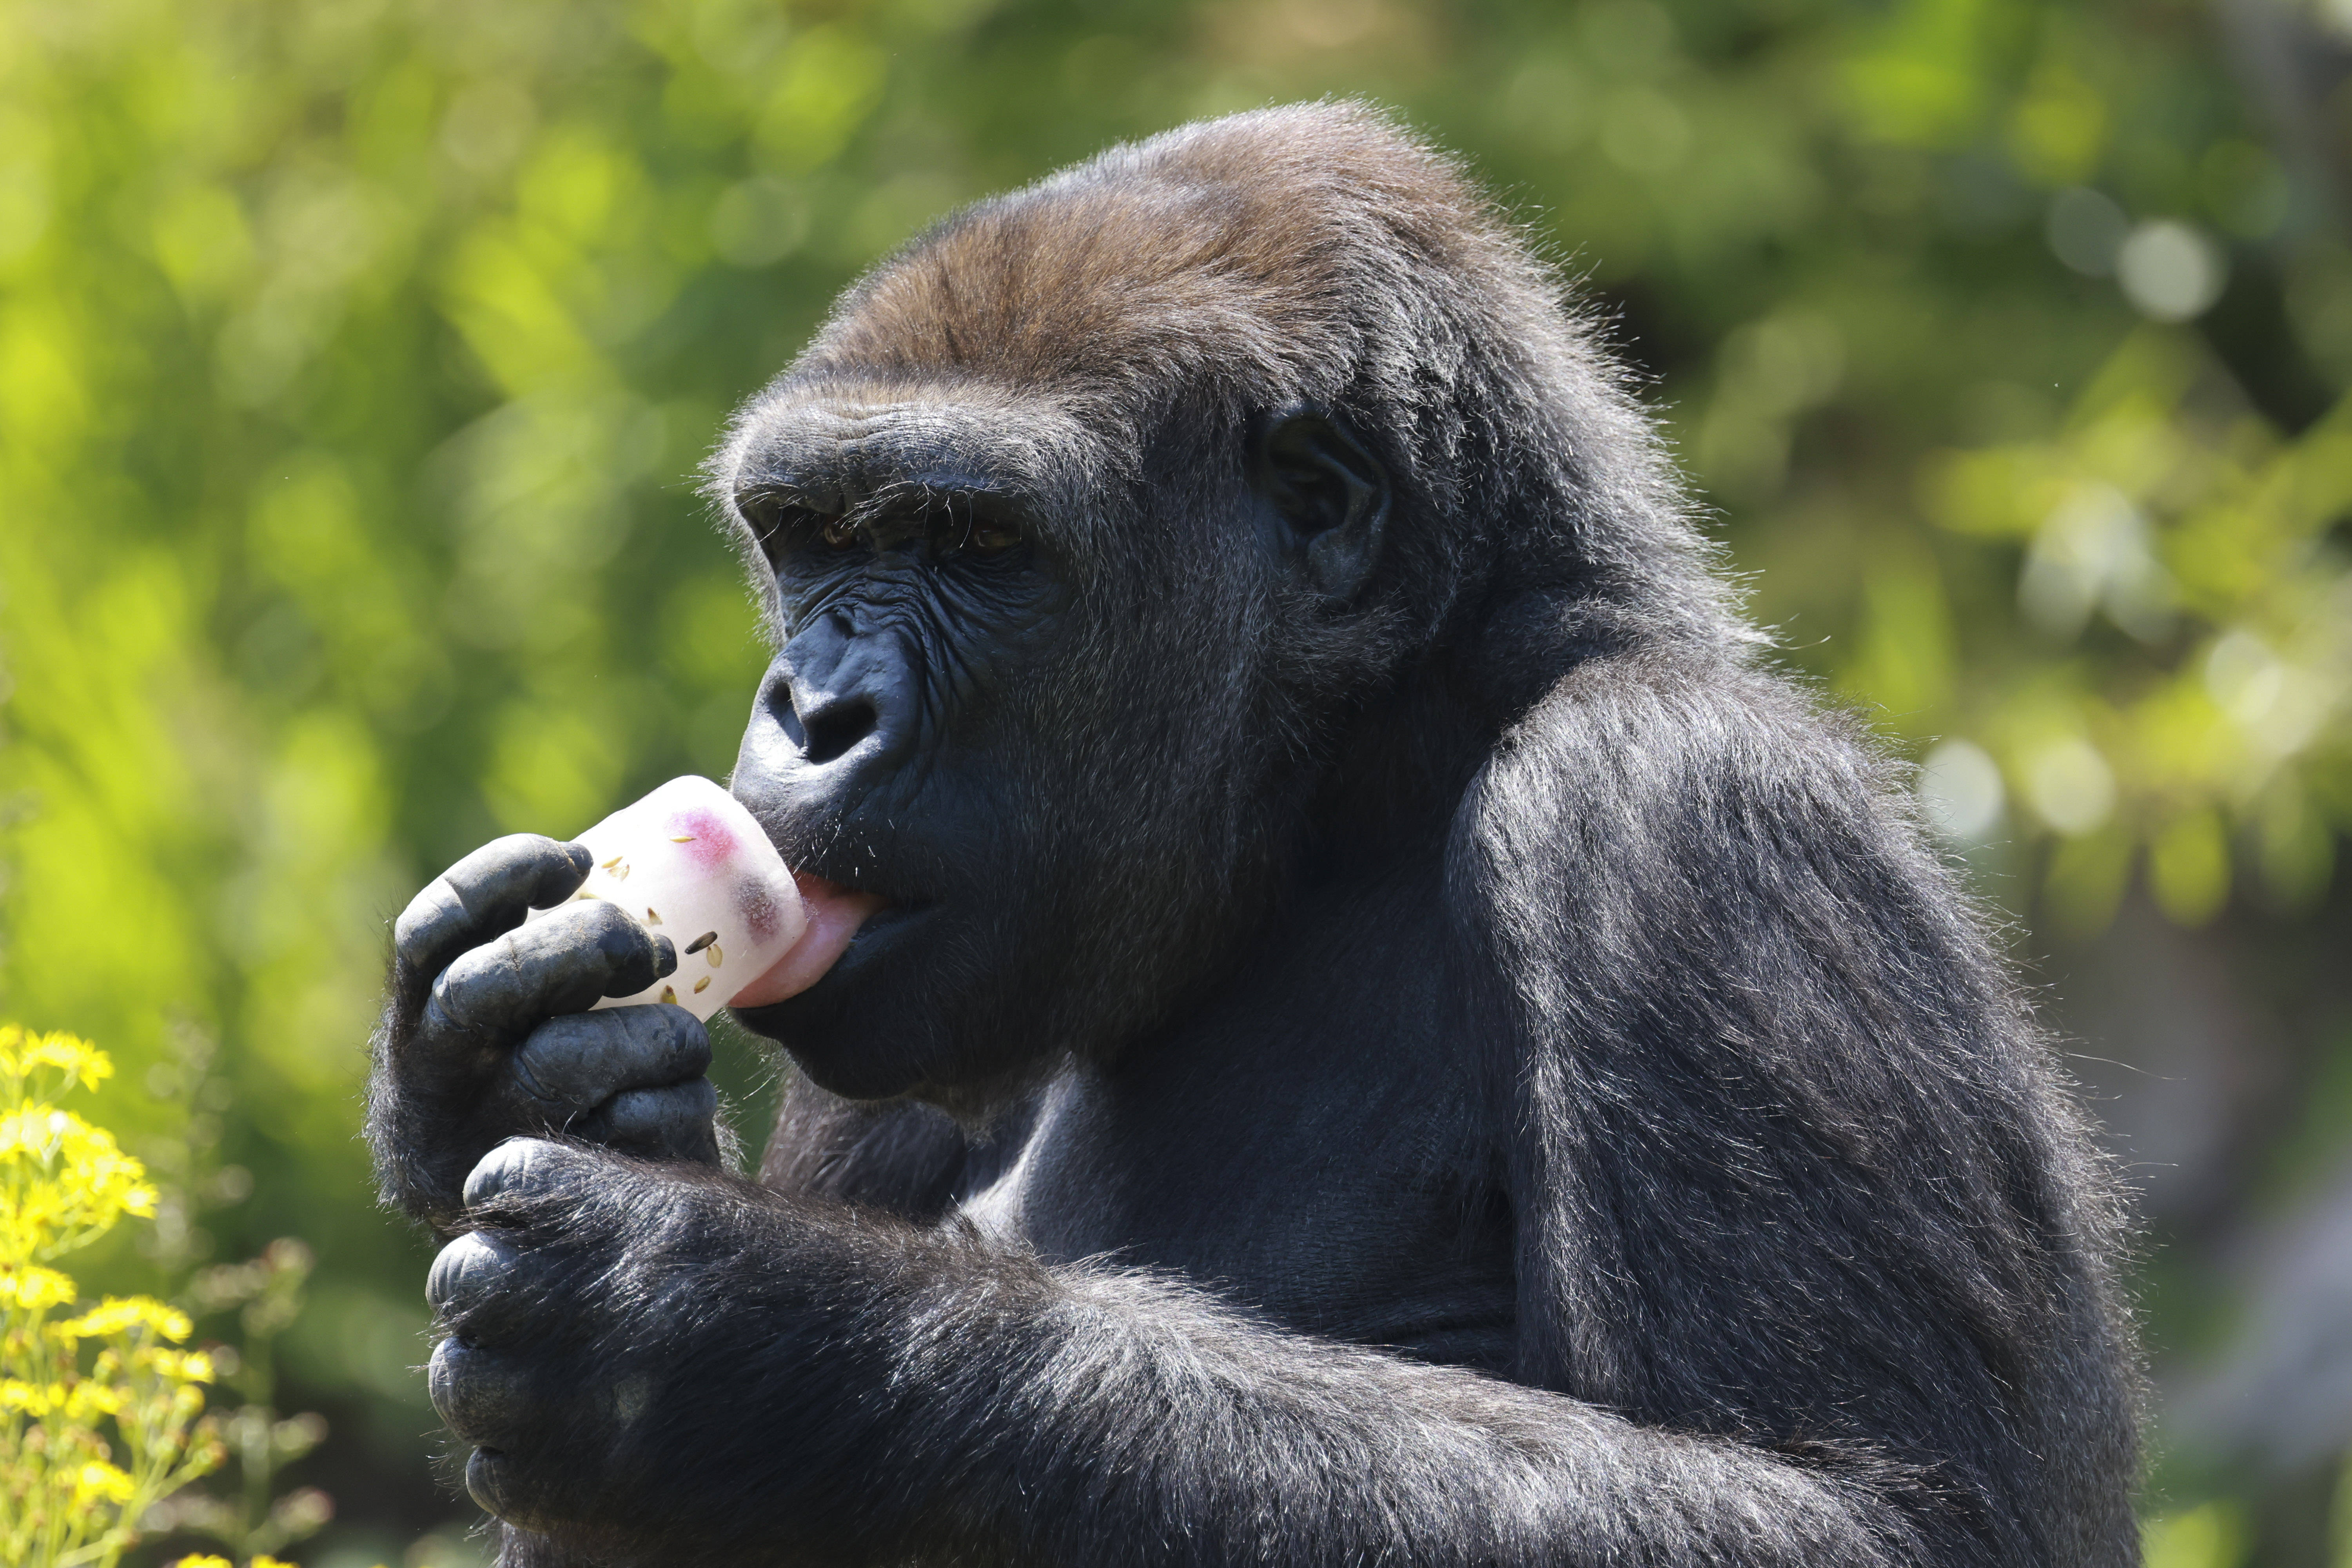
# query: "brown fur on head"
[[1264, 257], [1258, 243], [1312, 253]]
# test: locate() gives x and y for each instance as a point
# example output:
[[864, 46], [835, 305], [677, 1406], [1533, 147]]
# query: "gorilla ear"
[[1330, 493]]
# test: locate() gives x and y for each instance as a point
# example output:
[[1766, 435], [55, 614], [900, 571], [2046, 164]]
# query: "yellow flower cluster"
[[68, 1495], [262, 1560], [63, 1181]]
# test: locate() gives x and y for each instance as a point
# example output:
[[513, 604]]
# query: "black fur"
[[1397, 1038]]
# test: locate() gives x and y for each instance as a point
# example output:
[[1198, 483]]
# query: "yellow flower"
[[88, 1399], [101, 1479], [207, 1561], [30, 1288], [77, 1057], [62, 1182], [33, 1398], [265, 1561], [81, 1181], [178, 1366], [121, 1314]]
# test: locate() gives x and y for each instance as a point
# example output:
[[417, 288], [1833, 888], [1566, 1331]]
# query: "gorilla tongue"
[[834, 914]]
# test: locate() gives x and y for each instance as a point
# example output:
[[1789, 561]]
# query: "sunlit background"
[[356, 356]]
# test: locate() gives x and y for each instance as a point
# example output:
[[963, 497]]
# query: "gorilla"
[[1351, 1016]]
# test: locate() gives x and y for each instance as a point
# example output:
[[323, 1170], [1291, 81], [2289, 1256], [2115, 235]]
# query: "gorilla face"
[[1032, 698]]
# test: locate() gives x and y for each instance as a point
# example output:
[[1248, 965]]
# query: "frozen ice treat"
[[688, 862]]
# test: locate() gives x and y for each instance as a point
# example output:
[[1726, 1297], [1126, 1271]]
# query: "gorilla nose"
[[840, 697], [824, 726]]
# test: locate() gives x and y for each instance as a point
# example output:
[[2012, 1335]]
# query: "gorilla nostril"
[[832, 728]]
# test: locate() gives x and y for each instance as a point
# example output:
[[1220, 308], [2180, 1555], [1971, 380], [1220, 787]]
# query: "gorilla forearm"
[[934, 1397], [1154, 1426]]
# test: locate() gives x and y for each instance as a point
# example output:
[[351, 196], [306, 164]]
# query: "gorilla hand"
[[487, 1034], [598, 1313]]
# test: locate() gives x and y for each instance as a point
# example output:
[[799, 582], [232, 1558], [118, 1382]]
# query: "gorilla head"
[[1124, 541]]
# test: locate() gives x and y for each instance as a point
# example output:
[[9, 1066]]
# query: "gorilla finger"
[[581, 1059], [489, 1481], [467, 1271], [483, 1395], [678, 1121], [485, 895], [518, 1168], [564, 963]]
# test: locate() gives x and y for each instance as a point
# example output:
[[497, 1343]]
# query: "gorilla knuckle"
[[577, 1061], [518, 1169], [676, 1119], [478, 989], [489, 1482], [432, 918], [520, 869], [571, 1060], [481, 1396], [467, 1271], [500, 1481], [682, 1046]]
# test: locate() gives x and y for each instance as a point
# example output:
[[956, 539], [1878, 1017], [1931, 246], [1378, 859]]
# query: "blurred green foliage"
[[356, 356]]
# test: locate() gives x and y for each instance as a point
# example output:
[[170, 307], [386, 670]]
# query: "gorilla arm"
[[828, 1385], [1788, 1159]]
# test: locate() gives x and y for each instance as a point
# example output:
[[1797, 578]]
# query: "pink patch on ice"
[[758, 907], [713, 842]]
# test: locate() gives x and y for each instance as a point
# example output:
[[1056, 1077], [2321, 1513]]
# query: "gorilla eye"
[[763, 511], [991, 538], [838, 535]]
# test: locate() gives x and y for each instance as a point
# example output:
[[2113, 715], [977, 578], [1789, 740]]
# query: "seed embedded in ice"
[[587, 893], [715, 955], [652, 917], [681, 838], [705, 939], [608, 865], [669, 993], [702, 985]]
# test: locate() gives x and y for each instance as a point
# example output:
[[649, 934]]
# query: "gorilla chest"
[[1358, 1216]]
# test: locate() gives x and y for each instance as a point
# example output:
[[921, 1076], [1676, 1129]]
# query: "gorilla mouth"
[[836, 914]]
